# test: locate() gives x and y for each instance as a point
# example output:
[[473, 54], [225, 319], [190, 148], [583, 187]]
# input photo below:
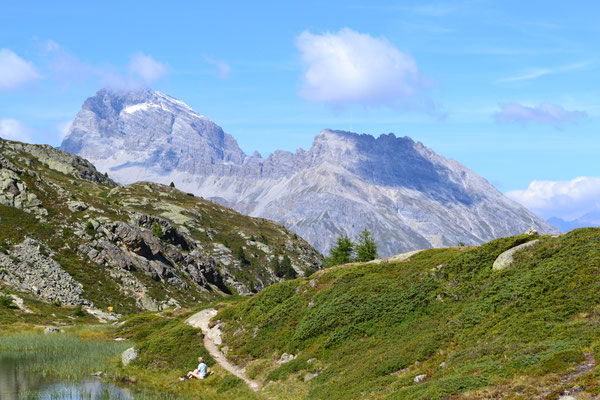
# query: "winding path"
[[212, 340]]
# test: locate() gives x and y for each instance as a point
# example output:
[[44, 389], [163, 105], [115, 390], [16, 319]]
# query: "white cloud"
[[539, 72], [223, 67], [348, 67], [545, 113], [67, 68], [146, 68], [141, 71], [63, 129], [13, 129], [564, 199], [14, 71]]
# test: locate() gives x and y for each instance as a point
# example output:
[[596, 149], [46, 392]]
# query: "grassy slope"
[[169, 348], [511, 333]]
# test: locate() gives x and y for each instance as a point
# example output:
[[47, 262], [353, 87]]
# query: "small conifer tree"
[[284, 268], [366, 248], [341, 252]]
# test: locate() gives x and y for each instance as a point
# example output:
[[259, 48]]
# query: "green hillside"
[[368, 330]]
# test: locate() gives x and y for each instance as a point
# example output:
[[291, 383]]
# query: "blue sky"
[[508, 88]]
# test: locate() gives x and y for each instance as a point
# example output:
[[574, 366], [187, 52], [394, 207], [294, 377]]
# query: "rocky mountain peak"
[[406, 194], [146, 129]]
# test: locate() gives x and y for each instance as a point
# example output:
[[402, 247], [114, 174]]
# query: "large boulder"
[[128, 356], [506, 258]]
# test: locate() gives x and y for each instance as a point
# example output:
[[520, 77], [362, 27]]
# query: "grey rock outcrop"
[[57, 160], [29, 267], [14, 192], [133, 247], [407, 195]]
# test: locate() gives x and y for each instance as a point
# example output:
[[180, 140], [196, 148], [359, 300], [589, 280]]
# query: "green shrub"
[[287, 369], [228, 383], [157, 230], [79, 312], [6, 301], [559, 361], [89, 229]]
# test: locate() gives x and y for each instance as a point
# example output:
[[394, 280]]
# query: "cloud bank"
[[13, 129], [14, 71], [146, 68], [351, 68], [568, 200], [545, 113], [141, 71]]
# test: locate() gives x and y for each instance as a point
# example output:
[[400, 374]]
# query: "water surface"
[[16, 383]]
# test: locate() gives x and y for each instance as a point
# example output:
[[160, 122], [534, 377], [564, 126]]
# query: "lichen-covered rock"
[[75, 206], [65, 163], [286, 358], [531, 231], [29, 267], [14, 192], [128, 356], [506, 258]]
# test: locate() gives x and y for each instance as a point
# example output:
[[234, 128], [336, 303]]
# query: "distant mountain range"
[[406, 194], [591, 219]]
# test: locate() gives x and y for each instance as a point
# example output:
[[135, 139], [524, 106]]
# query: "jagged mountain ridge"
[[409, 196], [71, 235]]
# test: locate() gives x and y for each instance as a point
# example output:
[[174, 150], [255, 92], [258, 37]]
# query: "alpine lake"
[[34, 366]]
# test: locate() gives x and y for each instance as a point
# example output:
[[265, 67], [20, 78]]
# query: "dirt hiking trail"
[[212, 341]]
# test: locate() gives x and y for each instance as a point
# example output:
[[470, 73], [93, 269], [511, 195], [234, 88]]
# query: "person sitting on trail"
[[199, 373]]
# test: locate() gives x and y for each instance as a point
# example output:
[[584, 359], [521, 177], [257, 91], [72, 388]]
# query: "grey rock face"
[[29, 267], [133, 246], [175, 137], [407, 195], [14, 192]]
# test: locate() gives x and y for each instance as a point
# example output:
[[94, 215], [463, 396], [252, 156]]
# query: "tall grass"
[[106, 393], [60, 356]]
